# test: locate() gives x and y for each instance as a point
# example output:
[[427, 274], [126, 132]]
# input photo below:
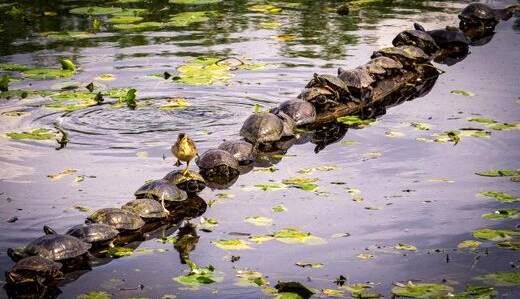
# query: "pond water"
[[377, 186]]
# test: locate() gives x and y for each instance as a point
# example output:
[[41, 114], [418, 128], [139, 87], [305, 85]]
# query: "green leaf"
[[476, 292], [203, 71], [355, 121], [304, 183], [95, 10], [4, 83], [122, 19], [270, 186], [462, 93], [422, 290], [495, 234], [265, 8], [67, 65], [188, 18], [259, 220], [195, 2], [175, 103], [13, 67], [511, 245], [130, 98], [448, 136], [287, 295], [359, 291], [309, 264], [199, 276], [505, 279], [46, 73], [468, 244], [333, 293], [279, 208], [138, 27], [407, 247], [117, 252], [95, 295], [421, 126], [502, 214], [233, 244], [248, 278], [500, 196], [499, 172], [295, 236], [259, 239], [35, 134]]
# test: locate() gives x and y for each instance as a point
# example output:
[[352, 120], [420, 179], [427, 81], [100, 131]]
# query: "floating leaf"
[[248, 278], [476, 292], [137, 27], [95, 295], [270, 186], [208, 223], [106, 77], [175, 103], [233, 244], [79, 178], [195, 2], [285, 38], [68, 65], [259, 220], [188, 18], [279, 208], [117, 252], [259, 239], [422, 290], [448, 136], [505, 279], [421, 126], [500, 196], [295, 236], [407, 247], [318, 168], [34, 134], [495, 125], [350, 142], [365, 256], [265, 8], [309, 264], [62, 174], [359, 290], [123, 19], [462, 93], [511, 245], [47, 73], [354, 121], [95, 10], [72, 100], [307, 184], [356, 194], [200, 276], [333, 293], [287, 295], [13, 67], [502, 214], [468, 244], [394, 134], [269, 25], [499, 172], [203, 71], [495, 234]]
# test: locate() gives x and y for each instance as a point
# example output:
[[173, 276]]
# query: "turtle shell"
[[478, 12], [449, 37], [357, 79], [191, 182], [241, 150], [262, 127], [387, 63], [146, 208], [161, 189], [217, 163], [374, 70], [331, 82], [93, 232], [34, 269], [418, 39], [403, 54], [301, 112], [117, 218], [57, 247], [321, 98]]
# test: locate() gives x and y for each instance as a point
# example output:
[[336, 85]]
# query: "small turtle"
[[34, 269], [191, 182], [146, 208], [162, 191], [241, 150], [375, 71], [390, 65], [359, 82], [481, 15], [446, 38], [262, 127], [93, 233], [52, 246], [301, 112], [321, 98], [332, 83], [215, 163], [418, 39], [119, 219], [407, 55]]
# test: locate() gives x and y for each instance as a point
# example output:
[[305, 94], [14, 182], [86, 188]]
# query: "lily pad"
[[117, 252], [323, 168], [462, 93], [495, 125], [34, 134], [505, 279], [407, 247], [265, 8], [47, 73], [259, 220], [499, 172], [4, 83], [469, 244], [195, 2], [500, 196], [288, 295], [304, 183], [309, 264], [422, 290], [106, 77], [476, 292], [259, 239], [122, 19], [420, 126], [354, 121], [360, 291], [13, 67], [95, 10], [279, 208], [502, 214], [95, 295], [270, 186], [68, 65], [295, 236], [62, 174], [175, 103], [495, 234], [203, 71], [72, 100], [356, 194], [188, 18], [138, 27], [199, 276], [233, 244], [208, 224], [284, 38], [247, 278], [511, 245], [333, 293]]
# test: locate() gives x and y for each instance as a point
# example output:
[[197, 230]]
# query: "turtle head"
[[181, 136], [48, 231], [418, 27], [14, 254]]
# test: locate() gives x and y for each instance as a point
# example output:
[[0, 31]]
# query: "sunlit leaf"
[[324, 168], [233, 244], [200, 276], [68, 65], [137, 27], [365, 256], [462, 93], [62, 174], [354, 121], [247, 278], [259, 220], [259, 239], [309, 264], [476, 292], [499, 172], [95, 295], [270, 186], [506, 279], [356, 194], [203, 71], [502, 214], [279, 208], [360, 291], [117, 252], [175, 103], [420, 126], [500, 196], [287, 295], [188, 18], [407, 247], [95, 10], [295, 236], [265, 8], [121, 19], [511, 245], [106, 77], [285, 38], [13, 67], [495, 234], [208, 223], [422, 290], [47, 73], [304, 183], [34, 134], [333, 293], [468, 244]]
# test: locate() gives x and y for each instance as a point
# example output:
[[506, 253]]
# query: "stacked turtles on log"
[[393, 75]]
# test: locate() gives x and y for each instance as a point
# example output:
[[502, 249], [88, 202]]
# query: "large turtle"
[[301, 112], [241, 150], [52, 246], [161, 190], [359, 82], [409, 56], [216, 163], [262, 127], [390, 65], [148, 209], [481, 15], [121, 220], [94, 233], [416, 38], [191, 181], [34, 269], [323, 99], [446, 38], [332, 83]]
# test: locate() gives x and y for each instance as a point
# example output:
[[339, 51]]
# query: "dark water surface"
[[424, 192]]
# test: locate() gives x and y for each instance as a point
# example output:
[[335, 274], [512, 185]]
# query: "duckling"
[[184, 150]]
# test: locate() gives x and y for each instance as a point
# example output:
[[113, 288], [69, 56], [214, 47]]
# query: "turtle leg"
[[186, 169], [178, 163], [163, 206]]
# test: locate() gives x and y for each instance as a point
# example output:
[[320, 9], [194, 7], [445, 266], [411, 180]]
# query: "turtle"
[[241, 150], [215, 163], [148, 209], [446, 38], [375, 71], [321, 98], [390, 65], [94, 233], [52, 246], [416, 38], [407, 55], [191, 182], [161, 190], [332, 83], [262, 127], [481, 15], [34, 269], [359, 82], [121, 220], [301, 112]]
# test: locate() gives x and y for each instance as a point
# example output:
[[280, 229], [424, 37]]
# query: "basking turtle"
[[359, 82], [375, 71], [161, 190], [119, 219], [262, 127], [52, 246], [241, 150], [321, 98], [146, 208], [215, 163], [390, 65], [191, 182], [446, 38], [332, 83], [416, 38], [481, 15], [407, 55], [93, 233], [34, 269], [301, 112]]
